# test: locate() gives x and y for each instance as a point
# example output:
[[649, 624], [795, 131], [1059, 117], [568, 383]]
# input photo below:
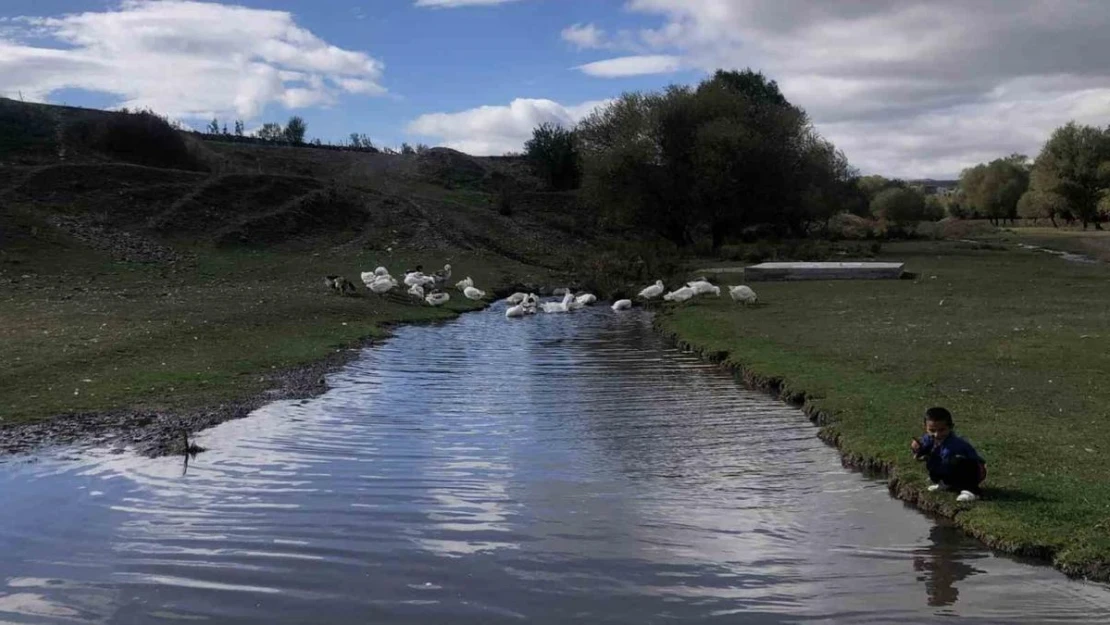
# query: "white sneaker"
[[935, 487], [966, 495]]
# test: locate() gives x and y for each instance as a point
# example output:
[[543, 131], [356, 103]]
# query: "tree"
[[224, 129], [1073, 165], [214, 126], [239, 128], [1042, 205], [553, 154], [295, 129], [934, 208], [901, 207], [717, 159], [362, 141], [407, 149], [271, 132], [993, 189]]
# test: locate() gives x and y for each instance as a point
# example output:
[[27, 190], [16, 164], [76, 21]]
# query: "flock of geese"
[[429, 287]]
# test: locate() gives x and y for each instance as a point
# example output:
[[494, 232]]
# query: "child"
[[952, 462]]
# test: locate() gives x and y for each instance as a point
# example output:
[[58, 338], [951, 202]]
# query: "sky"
[[906, 88]]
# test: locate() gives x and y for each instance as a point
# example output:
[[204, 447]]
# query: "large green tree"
[[711, 160], [1075, 164], [295, 130], [901, 207]]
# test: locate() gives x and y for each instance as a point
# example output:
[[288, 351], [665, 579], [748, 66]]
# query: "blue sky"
[[903, 87]]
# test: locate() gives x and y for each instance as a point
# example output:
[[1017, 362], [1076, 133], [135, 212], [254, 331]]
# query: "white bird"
[[515, 311], [441, 277], [368, 277], [559, 307], [703, 287], [516, 298], [381, 271], [653, 291], [622, 304], [462, 284], [586, 299], [417, 291], [382, 285], [742, 294], [414, 278], [560, 291], [473, 293], [437, 298], [681, 295]]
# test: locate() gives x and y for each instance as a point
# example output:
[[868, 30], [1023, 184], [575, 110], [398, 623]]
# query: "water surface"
[[560, 468]]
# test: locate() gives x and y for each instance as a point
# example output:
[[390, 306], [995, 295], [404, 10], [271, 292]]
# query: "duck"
[[743, 294], [653, 291], [622, 304], [437, 298]]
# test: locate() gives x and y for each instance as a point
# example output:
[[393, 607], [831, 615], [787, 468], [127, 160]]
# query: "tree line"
[[728, 159]]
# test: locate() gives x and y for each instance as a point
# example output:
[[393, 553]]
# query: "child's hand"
[[915, 445]]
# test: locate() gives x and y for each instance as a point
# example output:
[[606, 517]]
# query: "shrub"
[[142, 138]]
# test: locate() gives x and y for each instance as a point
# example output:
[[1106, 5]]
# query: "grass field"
[[1016, 343], [95, 335]]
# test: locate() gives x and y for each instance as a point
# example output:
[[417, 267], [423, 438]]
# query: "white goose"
[[622, 304], [653, 291], [586, 299], [473, 293], [381, 271], [703, 287], [516, 298], [382, 285], [681, 295], [437, 298], [558, 307], [517, 311], [743, 294], [464, 283], [417, 291]]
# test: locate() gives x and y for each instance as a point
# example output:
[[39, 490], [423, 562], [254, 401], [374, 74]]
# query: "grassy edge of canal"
[[1014, 342]]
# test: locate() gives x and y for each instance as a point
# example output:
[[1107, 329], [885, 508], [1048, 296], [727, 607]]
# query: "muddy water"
[[561, 468]]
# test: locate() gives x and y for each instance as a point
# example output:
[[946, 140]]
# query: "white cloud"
[[633, 66], [450, 4], [903, 86], [186, 59], [584, 36], [494, 130]]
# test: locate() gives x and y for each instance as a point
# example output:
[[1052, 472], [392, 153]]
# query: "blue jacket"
[[940, 458]]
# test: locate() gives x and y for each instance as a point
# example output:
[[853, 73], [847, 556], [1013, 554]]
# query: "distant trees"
[[718, 159], [239, 129], [1042, 205], [295, 130], [271, 132], [901, 207], [214, 127], [1074, 165], [552, 153], [993, 189], [358, 140]]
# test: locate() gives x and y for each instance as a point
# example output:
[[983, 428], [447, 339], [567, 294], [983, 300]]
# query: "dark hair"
[[939, 414]]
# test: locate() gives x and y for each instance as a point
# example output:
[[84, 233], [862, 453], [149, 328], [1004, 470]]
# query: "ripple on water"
[[555, 468]]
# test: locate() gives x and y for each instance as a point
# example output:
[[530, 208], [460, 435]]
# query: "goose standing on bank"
[[742, 294]]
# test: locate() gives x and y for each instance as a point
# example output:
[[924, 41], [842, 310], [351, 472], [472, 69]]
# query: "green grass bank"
[[1016, 343]]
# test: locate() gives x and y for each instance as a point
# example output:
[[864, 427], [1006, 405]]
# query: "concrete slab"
[[849, 270]]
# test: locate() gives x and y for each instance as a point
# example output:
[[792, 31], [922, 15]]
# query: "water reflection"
[[942, 564], [563, 468]]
